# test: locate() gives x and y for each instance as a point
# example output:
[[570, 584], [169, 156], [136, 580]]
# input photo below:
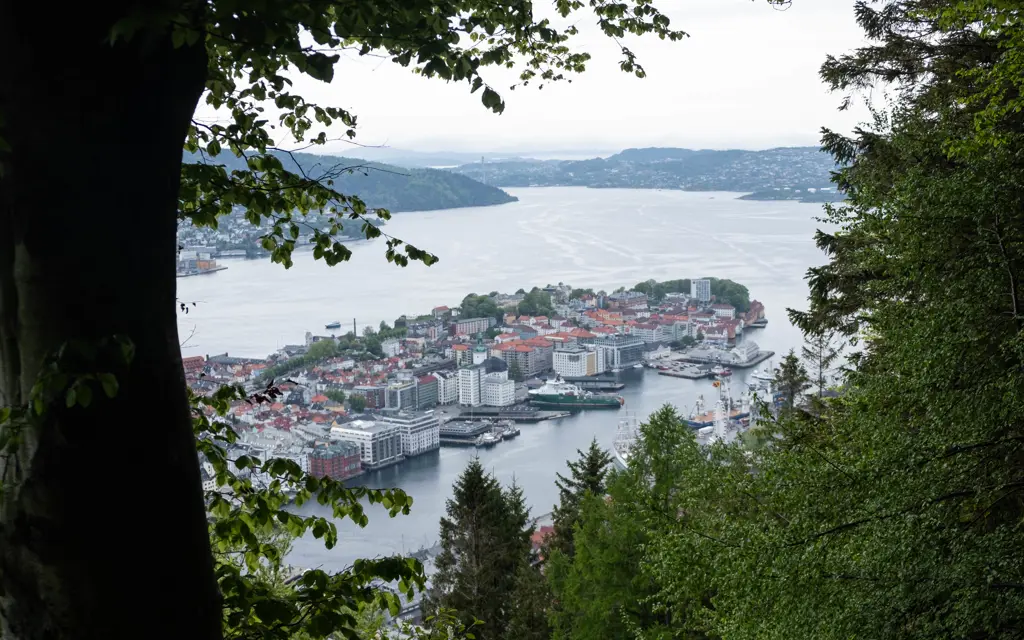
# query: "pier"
[[747, 364], [687, 374]]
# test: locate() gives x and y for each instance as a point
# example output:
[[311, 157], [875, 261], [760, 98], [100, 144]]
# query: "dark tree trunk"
[[102, 527]]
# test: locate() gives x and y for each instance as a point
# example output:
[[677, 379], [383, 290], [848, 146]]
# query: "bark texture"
[[103, 534]]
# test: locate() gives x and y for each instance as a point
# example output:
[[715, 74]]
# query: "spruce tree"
[[586, 476], [484, 564], [819, 353], [791, 380]]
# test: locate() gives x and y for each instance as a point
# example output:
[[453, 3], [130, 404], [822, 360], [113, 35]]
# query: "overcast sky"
[[747, 77]]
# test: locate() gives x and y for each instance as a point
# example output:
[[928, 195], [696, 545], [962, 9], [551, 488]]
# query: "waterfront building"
[[402, 396], [574, 361], [337, 460], [469, 326], [620, 351], [470, 379], [426, 392], [645, 332], [497, 390], [700, 289], [726, 311], [447, 387], [380, 444], [746, 351], [421, 432]]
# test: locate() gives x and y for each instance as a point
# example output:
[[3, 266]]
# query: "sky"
[[747, 77]]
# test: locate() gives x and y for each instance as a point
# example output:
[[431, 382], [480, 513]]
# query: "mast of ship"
[[721, 421]]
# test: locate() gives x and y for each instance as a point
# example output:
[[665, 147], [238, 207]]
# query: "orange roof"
[[522, 348], [460, 347], [581, 333], [319, 398]]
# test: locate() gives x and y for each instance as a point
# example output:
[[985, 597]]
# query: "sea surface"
[[599, 238]]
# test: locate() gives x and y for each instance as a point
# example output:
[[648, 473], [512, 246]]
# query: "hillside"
[[774, 174], [393, 188]]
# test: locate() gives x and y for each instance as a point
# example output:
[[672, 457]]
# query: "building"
[[380, 444], [726, 311], [376, 395], [462, 354], [469, 326], [627, 300], [574, 362], [619, 351], [402, 396], [700, 289], [497, 390], [646, 332], [470, 379], [337, 460], [447, 387], [426, 392], [421, 432], [746, 351], [391, 347]]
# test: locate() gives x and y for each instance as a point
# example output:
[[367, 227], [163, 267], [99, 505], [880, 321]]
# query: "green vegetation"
[[337, 395], [586, 477], [484, 570], [515, 372], [357, 402], [724, 291], [536, 303], [474, 306]]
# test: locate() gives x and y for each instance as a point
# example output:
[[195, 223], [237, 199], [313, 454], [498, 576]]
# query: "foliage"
[[485, 552], [536, 303], [791, 380], [474, 306], [586, 477], [576, 294], [357, 402], [819, 354], [337, 395], [655, 291], [684, 342], [248, 511]]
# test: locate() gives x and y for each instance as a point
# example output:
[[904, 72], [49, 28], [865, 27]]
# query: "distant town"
[[464, 376]]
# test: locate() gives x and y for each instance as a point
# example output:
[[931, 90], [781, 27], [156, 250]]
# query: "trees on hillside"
[[536, 303], [819, 354], [791, 380], [586, 476], [483, 570], [474, 306]]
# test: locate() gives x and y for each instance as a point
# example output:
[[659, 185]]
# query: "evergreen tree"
[[515, 372], [819, 353], [586, 476], [791, 380], [482, 570]]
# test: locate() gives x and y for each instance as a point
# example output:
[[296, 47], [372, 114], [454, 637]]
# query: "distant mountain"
[[784, 173], [381, 185]]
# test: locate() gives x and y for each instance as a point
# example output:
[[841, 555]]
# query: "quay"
[[746, 364], [595, 383], [500, 413], [687, 374], [197, 272]]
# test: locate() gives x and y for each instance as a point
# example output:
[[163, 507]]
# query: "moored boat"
[[558, 394]]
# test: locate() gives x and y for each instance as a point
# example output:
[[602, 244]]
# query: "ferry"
[[558, 394], [333, 325]]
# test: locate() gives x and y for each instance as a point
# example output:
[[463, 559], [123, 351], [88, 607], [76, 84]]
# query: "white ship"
[[625, 439], [764, 375]]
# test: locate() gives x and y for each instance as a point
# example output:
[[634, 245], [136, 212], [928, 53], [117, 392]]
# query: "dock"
[[687, 374], [516, 415], [761, 357], [186, 274]]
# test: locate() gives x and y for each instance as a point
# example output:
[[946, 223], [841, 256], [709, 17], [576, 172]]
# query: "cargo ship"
[[558, 394]]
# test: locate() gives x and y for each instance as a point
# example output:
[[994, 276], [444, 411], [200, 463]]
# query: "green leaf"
[[70, 397], [109, 384], [84, 395]]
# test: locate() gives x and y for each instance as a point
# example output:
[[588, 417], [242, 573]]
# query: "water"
[[586, 237]]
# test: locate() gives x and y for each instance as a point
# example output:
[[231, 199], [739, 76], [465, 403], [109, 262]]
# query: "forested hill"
[[782, 173], [381, 185]]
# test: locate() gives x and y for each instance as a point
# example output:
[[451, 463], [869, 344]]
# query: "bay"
[[600, 238]]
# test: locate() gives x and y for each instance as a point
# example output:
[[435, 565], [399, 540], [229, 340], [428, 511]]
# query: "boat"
[[333, 325], [559, 394], [625, 439], [721, 371], [488, 439], [764, 375], [616, 370], [638, 366]]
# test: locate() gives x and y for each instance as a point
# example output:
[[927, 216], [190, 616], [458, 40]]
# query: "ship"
[[333, 325], [625, 440], [701, 418], [764, 375], [559, 394]]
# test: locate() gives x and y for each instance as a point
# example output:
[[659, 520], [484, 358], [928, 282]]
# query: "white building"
[[380, 444], [724, 311], [421, 432], [391, 347], [645, 332], [574, 362], [447, 387], [470, 379], [497, 390], [746, 351], [700, 289]]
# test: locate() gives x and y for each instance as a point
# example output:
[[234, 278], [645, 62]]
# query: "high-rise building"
[[337, 460], [574, 362], [700, 289], [447, 387], [497, 390], [380, 444], [402, 396], [426, 392], [620, 351], [470, 379]]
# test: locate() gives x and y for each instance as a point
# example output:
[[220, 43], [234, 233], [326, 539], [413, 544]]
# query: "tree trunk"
[[102, 527]]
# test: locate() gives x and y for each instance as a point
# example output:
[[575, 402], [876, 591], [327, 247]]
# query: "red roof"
[[319, 398], [460, 347], [441, 308]]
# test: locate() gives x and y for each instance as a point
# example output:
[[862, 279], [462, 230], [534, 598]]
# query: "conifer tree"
[[819, 353], [791, 380], [586, 476]]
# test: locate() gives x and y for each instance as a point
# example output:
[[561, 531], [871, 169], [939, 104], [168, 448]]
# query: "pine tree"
[[586, 476], [791, 380], [515, 372], [819, 353]]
